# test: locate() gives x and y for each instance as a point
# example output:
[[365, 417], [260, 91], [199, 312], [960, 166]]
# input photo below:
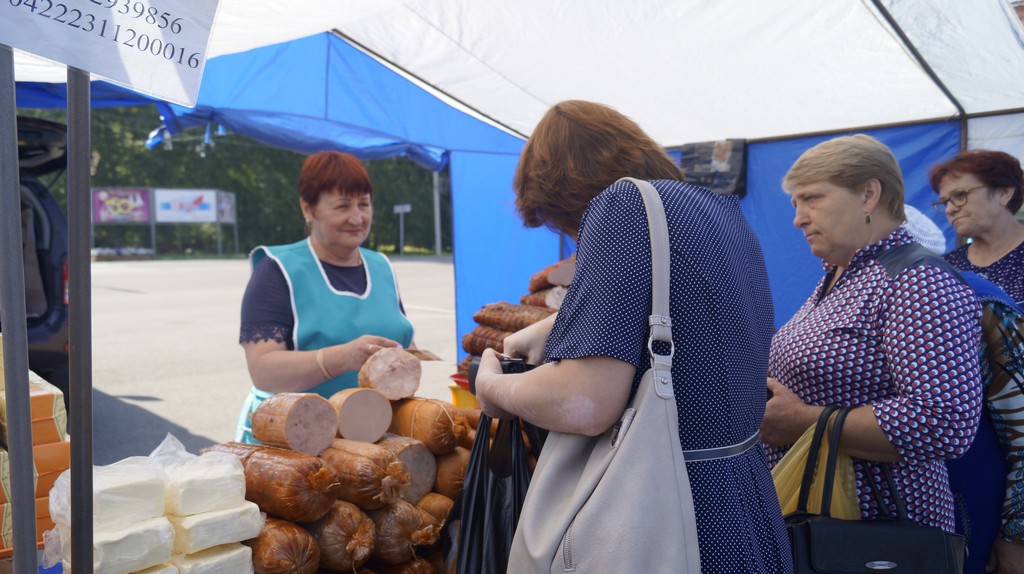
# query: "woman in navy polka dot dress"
[[595, 347], [901, 346]]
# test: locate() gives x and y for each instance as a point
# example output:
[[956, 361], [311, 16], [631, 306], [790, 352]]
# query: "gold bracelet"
[[320, 363]]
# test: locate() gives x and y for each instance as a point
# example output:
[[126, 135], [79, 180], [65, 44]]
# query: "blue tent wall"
[[494, 254], [792, 269]]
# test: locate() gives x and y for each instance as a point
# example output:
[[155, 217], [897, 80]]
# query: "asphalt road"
[[166, 357]]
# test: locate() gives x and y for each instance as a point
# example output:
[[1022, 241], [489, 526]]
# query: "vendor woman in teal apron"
[[315, 310]]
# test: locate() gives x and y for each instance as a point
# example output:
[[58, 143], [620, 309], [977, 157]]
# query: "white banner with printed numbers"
[[156, 47]]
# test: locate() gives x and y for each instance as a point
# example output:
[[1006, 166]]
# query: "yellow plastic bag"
[[789, 472]]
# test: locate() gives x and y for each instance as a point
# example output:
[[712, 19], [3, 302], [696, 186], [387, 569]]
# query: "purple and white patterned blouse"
[[908, 346], [1007, 273]]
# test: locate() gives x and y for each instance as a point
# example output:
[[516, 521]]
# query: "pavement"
[[166, 357]]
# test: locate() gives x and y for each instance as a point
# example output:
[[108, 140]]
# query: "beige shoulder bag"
[[621, 501]]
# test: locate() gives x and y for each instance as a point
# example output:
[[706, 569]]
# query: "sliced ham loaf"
[[418, 461], [346, 537], [559, 273], [283, 547], [303, 422], [438, 424], [363, 414], [510, 317], [436, 505], [393, 372], [400, 528], [287, 484], [451, 472], [371, 476], [484, 337]]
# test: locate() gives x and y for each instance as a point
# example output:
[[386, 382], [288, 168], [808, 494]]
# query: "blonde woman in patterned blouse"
[[902, 348]]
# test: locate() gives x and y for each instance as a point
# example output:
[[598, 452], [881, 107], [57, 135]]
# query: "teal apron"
[[325, 316]]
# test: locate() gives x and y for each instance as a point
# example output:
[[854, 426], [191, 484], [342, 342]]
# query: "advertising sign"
[[157, 47], [186, 205], [120, 205], [225, 207]]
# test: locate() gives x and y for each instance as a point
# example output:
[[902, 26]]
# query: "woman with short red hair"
[[980, 192], [315, 310]]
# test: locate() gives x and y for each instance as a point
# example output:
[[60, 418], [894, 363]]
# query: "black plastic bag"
[[485, 515]]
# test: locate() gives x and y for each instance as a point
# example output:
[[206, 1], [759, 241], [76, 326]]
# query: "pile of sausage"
[[362, 482]]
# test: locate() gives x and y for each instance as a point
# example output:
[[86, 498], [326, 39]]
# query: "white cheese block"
[[130, 549], [124, 493], [213, 481], [226, 559], [160, 569], [202, 531]]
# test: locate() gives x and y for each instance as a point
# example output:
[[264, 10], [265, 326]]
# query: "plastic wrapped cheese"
[[196, 484], [201, 531], [225, 559], [125, 493], [127, 550], [213, 481], [160, 569]]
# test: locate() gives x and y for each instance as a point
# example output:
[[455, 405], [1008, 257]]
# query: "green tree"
[[262, 177]]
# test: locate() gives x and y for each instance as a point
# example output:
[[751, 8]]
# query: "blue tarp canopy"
[[320, 92]]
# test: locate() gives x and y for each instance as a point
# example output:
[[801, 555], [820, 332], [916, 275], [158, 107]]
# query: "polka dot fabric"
[[908, 346], [722, 324], [1007, 273]]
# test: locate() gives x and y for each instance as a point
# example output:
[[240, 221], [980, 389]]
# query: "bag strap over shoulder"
[[660, 322]]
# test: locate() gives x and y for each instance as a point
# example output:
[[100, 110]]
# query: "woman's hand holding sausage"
[[354, 353]]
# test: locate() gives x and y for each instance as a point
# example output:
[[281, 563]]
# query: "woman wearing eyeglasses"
[[980, 191]]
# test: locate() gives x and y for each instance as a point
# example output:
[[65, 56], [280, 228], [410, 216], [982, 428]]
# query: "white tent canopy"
[[686, 70]]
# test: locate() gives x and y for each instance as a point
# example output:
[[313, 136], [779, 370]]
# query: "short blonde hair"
[[849, 162]]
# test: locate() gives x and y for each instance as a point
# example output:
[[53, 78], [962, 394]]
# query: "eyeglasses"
[[958, 198]]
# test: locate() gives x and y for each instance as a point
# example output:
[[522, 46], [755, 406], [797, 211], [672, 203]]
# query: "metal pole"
[[80, 320], [15, 346], [152, 221], [220, 250], [401, 233], [437, 213]]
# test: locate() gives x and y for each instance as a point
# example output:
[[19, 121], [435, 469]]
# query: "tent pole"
[[15, 341], [961, 113], [80, 319], [437, 212]]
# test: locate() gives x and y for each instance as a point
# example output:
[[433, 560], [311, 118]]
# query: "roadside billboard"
[[186, 205], [120, 205]]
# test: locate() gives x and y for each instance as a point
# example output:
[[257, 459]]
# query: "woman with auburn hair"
[[980, 191], [595, 350], [315, 310], [898, 343]]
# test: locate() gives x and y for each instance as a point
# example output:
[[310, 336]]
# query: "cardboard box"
[[46, 411], [49, 461], [43, 522]]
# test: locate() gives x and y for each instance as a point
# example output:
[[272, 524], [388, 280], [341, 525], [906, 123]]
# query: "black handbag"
[[892, 544]]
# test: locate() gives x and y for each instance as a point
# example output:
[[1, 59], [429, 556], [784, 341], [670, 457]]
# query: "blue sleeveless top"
[[324, 316]]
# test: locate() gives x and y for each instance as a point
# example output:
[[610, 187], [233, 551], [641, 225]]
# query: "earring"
[[867, 218]]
